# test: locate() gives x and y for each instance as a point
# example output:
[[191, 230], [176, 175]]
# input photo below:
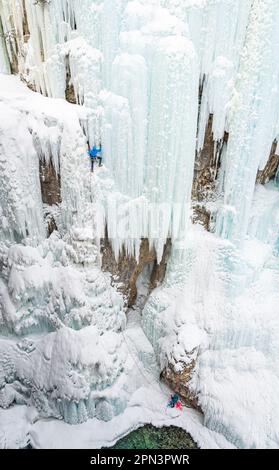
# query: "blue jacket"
[[94, 151]]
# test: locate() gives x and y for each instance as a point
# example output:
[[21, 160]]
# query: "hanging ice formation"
[[127, 116], [148, 75], [254, 119]]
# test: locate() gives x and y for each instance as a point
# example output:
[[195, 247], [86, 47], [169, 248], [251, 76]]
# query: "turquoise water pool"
[[150, 437]]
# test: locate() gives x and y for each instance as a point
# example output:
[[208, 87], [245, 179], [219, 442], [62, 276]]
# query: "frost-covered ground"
[[136, 68]]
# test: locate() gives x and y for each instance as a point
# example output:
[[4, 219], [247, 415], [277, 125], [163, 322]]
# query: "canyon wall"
[[184, 97]]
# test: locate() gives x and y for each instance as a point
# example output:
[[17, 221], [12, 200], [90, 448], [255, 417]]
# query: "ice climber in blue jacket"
[[95, 153]]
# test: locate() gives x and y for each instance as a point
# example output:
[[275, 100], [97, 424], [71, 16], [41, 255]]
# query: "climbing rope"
[[143, 372], [133, 353]]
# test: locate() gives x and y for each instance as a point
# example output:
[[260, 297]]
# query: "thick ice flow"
[[144, 79]]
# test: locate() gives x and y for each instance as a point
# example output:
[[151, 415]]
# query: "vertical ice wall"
[[217, 30], [254, 118], [130, 80], [157, 75], [4, 58], [172, 131]]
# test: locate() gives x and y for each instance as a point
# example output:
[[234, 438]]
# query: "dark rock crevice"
[[26, 31], [50, 183], [126, 269], [207, 164], [50, 190], [70, 95]]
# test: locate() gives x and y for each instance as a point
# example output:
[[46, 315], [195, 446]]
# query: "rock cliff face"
[[126, 270], [179, 382], [50, 184], [51, 192], [271, 168], [206, 166]]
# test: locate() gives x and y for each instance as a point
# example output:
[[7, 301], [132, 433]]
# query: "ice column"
[[111, 19], [21, 207], [130, 81], [172, 128], [149, 135], [254, 117]]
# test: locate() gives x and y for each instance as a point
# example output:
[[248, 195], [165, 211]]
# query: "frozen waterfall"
[[174, 90]]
